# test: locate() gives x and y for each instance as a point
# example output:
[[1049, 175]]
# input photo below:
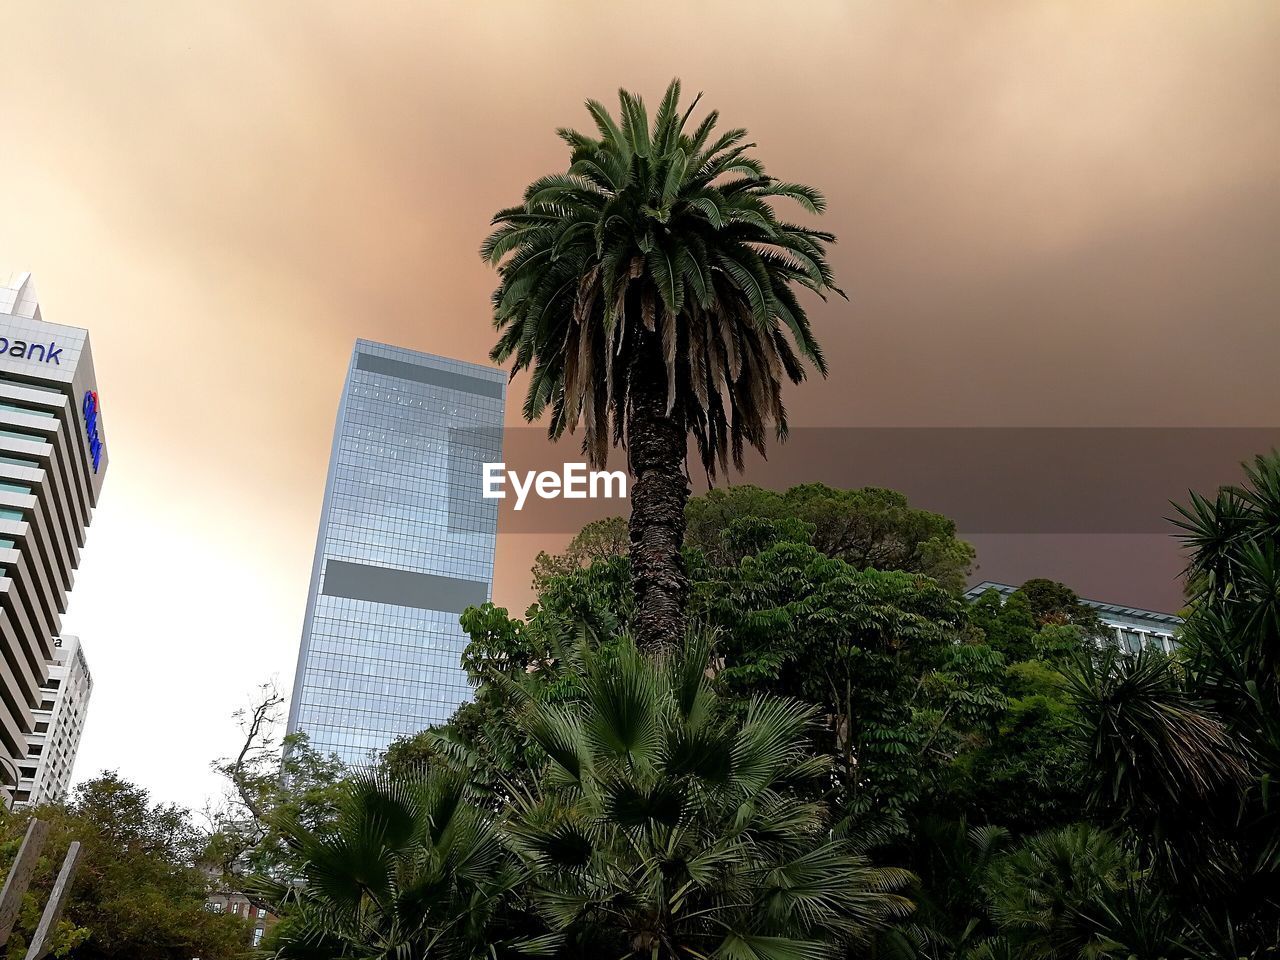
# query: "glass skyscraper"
[[406, 544]]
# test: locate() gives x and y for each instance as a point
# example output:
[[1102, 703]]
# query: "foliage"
[[1043, 896], [1053, 797], [667, 825], [658, 244], [859, 644], [411, 867], [868, 527], [268, 779], [1187, 754], [138, 894], [650, 291], [598, 540]]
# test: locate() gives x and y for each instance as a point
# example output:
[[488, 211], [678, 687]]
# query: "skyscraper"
[[59, 722], [53, 457], [405, 545]]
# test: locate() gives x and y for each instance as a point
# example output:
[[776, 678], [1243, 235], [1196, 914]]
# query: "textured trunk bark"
[[656, 449]]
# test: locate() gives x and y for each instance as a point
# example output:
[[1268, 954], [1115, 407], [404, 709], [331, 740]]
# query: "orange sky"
[[1050, 213]]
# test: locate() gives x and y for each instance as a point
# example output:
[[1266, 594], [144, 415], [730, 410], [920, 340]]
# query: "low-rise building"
[[223, 899]]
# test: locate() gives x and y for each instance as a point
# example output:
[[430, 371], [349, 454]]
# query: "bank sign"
[[90, 408], [31, 351]]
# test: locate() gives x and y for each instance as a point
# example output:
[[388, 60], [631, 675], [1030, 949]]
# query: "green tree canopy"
[[139, 893]]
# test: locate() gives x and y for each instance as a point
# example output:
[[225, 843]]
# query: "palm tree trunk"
[[656, 451]]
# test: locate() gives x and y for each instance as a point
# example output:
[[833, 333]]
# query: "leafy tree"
[[1051, 602], [870, 527], [650, 292], [1008, 625], [951, 860], [1231, 645], [594, 599], [874, 651], [138, 894], [598, 540], [266, 779], [666, 824], [1028, 773]]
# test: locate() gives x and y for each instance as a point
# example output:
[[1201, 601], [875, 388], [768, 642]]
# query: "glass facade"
[[406, 543]]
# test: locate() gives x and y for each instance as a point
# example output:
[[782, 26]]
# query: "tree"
[[1065, 894], [650, 292], [868, 527], [874, 651], [598, 540], [411, 868], [668, 825], [139, 894], [268, 778], [593, 600]]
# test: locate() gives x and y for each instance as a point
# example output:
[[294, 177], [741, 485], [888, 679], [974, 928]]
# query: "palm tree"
[[410, 868], [650, 291], [668, 825], [1043, 895]]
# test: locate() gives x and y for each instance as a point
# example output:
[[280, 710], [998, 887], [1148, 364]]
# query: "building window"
[[213, 906], [262, 913], [257, 936]]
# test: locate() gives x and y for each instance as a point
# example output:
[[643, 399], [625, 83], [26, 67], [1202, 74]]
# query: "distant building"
[[53, 457], [222, 899], [59, 722], [1132, 627], [406, 543]]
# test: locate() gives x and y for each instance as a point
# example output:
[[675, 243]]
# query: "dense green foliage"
[[1052, 797], [869, 527], [409, 867], [139, 893]]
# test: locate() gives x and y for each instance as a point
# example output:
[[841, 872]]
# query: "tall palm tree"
[[650, 290], [670, 826]]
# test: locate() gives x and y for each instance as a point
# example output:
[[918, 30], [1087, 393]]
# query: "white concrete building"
[[53, 457], [59, 722]]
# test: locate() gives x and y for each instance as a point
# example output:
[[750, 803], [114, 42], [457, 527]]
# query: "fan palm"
[[411, 868], [666, 825], [1042, 894], [650, 292]]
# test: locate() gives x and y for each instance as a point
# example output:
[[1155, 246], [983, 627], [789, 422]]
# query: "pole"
[[53, 909], [15, 886]]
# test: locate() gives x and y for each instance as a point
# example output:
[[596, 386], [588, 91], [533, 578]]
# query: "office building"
[[406, 544], [53, 457], [1132, 627], [59, 722]]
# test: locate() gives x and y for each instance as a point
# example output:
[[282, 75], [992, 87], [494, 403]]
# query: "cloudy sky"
[[1050, 214]]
